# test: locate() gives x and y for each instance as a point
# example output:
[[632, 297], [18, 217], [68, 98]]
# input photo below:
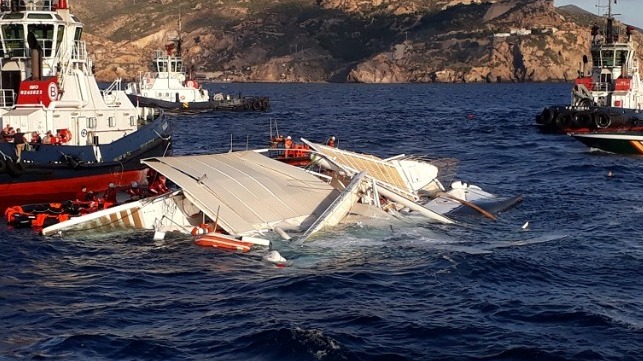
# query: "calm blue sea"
[[569, 287]]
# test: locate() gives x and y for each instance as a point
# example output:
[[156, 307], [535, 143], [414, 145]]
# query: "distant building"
[[521, 32]]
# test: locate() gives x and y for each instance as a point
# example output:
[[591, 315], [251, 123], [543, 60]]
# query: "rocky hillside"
[[379, 41]]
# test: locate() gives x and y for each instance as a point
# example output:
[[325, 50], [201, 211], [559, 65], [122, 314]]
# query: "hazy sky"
[[631, 10]]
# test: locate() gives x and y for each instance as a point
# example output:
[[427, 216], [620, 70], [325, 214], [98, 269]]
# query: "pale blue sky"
[[631, 10]]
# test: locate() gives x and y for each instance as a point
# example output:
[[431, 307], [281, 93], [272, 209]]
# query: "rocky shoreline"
[[445, 42]]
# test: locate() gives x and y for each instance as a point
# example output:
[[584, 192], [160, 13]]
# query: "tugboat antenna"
[[180, 40], [610, 35]]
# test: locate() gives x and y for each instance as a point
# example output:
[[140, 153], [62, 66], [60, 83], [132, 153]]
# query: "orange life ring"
[[202, 229], [192, 84], [64, 135]]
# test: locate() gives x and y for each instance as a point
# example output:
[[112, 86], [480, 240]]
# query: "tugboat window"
[[608, 57], [39, 16], [621, 56], [12, 16], [45, 35], [14, 37], [606, 80], [596, 58]]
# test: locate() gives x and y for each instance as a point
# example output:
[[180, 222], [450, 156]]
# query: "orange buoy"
[[64, 135], [201, 229], [218, 240]]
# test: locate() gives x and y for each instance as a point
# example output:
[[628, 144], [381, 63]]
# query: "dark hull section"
[[618, 144], [248, 103], [55, 173], [568, 119]]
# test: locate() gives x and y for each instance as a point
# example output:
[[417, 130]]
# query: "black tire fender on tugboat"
[[583, 119], [546, 117], [602, 120], [15, 169], [564, 119], [264, 104], [3, 166]]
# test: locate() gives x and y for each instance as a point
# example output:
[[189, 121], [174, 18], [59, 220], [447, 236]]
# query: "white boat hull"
[[165, 213]]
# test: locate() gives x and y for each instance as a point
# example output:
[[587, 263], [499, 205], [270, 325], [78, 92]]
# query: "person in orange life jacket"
[[19, 140], [50, 138], [109, 197], [331, 141], [135, 192], [158, 186], [288, 144], [92, 203], [151, 176]]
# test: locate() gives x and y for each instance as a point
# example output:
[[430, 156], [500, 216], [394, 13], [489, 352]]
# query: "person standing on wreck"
[[288, 145], [20, 141]]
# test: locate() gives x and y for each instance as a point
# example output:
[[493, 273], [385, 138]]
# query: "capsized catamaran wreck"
[[244, 197]]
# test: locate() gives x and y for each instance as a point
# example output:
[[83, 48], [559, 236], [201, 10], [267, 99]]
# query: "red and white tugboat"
[[88, 137], [608, 96]]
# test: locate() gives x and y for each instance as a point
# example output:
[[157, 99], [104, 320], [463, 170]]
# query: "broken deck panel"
[[246, 190]]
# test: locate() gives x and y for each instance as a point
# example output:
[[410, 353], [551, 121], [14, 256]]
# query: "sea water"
[[567, 286]]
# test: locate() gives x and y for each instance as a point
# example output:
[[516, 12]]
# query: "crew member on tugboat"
[[19, 140]]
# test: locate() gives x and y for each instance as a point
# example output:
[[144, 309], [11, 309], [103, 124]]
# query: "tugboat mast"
[[611, 36]]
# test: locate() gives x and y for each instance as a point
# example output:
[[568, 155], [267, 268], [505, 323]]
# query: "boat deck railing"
[[17, 48], [32, 5], [7, 98], [602, 86], [79, 52], [109, 94]]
